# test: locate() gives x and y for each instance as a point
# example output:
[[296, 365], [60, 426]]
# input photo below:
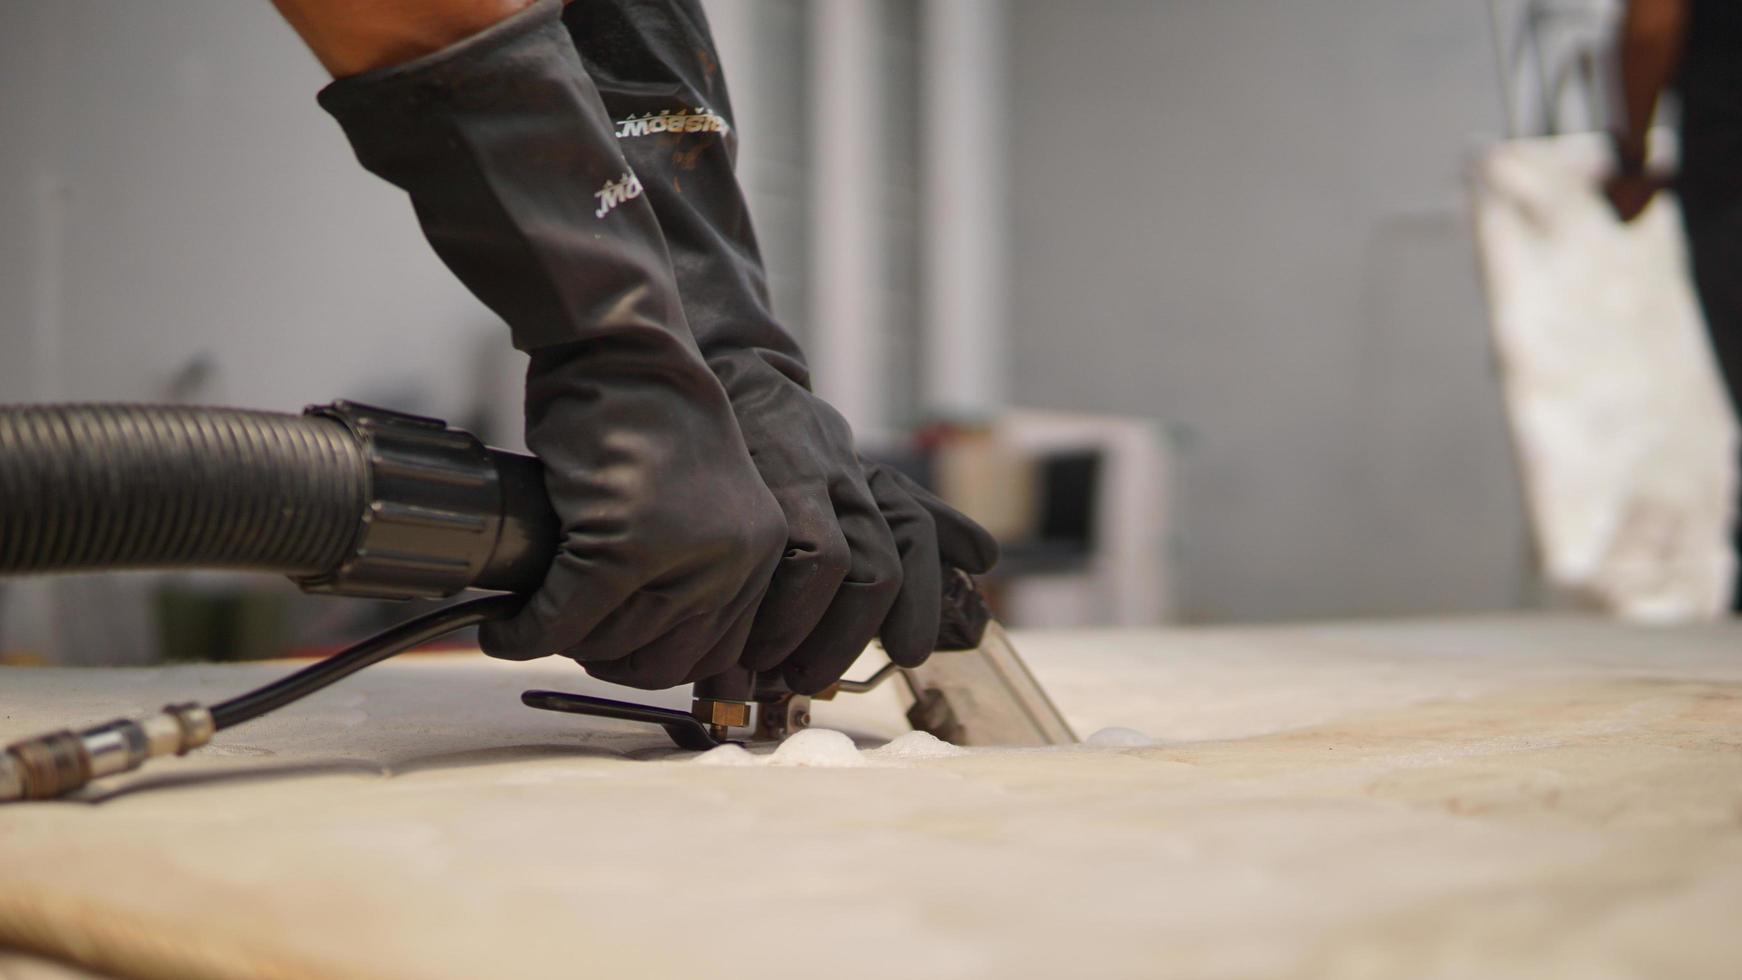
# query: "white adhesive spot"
[[1119, 738], [818, 748], [725, 755], [918, 745], [822, 748]]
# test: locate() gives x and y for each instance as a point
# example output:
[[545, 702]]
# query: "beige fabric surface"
[[1482, 797]]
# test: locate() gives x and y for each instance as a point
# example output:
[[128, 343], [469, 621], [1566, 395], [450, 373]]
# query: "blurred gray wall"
[[1243, 217], [1247, 218], [179, 220], [177, 216]]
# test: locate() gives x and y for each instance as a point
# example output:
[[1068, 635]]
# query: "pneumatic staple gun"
[[358, 501]]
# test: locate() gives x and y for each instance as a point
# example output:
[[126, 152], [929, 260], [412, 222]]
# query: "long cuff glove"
[[866, 548], [669, 535]]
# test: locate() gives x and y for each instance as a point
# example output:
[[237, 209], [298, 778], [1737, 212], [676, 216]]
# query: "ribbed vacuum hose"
[[88, 487]]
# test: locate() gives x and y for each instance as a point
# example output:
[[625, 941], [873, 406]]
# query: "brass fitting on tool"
[[719, 714], [59, 763]]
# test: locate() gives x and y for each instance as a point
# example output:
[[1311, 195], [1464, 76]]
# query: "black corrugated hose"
[[89, 487], [109, 487]]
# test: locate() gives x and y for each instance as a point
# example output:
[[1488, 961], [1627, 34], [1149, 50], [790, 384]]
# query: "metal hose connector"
[[63, 762]]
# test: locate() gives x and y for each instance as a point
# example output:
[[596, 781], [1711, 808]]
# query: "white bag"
[[1624, 433]]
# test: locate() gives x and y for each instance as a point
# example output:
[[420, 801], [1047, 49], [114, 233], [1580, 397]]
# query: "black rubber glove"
[[866, 547], [669, 533]]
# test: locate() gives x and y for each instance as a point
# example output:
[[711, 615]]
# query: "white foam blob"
[[819, 748], [822, 748], [1119, 738], [918, 745], [725, 755]]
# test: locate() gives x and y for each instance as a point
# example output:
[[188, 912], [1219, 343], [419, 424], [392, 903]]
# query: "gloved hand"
[[866, 547], [669, 535]]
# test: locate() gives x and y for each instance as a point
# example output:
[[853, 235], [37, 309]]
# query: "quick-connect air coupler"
[[53, 765]]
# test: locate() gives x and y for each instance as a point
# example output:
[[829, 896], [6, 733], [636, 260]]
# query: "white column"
[[848, 311], [733, 23], [966, 180]]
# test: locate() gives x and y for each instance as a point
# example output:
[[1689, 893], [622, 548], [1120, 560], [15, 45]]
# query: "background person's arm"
[[1649, 51], [353, 36]]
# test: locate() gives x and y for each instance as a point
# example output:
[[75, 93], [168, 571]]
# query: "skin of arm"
[[1650, 48], [354, 36]]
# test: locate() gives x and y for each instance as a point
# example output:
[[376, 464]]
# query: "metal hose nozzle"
[[53, 765]]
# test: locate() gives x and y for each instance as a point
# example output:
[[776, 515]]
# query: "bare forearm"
[[353, 36], [1651, 40]]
